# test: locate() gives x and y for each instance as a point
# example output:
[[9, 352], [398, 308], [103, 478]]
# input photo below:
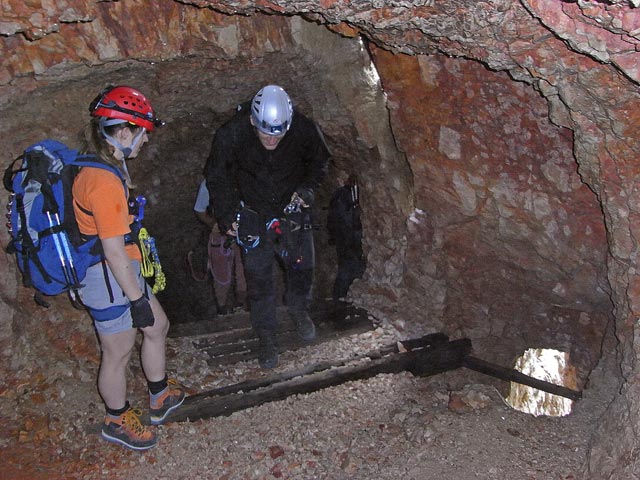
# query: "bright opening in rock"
[[548, 365]]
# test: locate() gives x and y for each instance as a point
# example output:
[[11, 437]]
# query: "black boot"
[[304, 325], [268, 352]]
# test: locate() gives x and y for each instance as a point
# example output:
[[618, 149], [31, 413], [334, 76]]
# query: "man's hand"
[[233, 231], [306, 195], [296, 199], [141, 313], [301, 198]]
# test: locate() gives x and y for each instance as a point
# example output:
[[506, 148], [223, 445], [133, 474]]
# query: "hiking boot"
[[268, 353], [165, 402], [304, 325], [127, 430]]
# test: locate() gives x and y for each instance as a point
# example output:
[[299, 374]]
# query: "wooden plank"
[[512, 375], [246, 349], [321, 311], [435, 339], [239, 343], [425, 356], [423, 361], [211, 326]]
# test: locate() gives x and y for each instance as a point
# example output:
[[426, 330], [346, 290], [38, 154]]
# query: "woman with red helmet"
[[115, 292]]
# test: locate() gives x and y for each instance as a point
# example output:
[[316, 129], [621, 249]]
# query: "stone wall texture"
[[496, 144]]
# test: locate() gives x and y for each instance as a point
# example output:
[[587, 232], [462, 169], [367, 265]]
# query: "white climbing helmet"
[[272, 110]]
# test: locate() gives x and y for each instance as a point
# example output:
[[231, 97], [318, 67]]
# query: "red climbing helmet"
[[125, 103]]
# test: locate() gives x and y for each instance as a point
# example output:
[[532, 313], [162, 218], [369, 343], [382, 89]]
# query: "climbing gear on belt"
[[250, 228], [150, 266]]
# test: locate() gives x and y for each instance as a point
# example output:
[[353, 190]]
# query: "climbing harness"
[[289, 232], [249, 228]]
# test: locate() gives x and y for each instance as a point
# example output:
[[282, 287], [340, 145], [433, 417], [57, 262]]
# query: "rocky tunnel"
[[493, 143]]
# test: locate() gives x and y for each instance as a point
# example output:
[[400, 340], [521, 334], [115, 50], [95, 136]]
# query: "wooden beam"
[[513, 375], [425, 356], [423, 361]]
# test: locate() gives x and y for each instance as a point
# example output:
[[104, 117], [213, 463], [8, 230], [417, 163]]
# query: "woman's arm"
[[120, 265]]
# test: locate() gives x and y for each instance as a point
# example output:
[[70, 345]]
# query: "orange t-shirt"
[[102, 193]]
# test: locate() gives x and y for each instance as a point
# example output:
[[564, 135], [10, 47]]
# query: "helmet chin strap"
[[126, 151]]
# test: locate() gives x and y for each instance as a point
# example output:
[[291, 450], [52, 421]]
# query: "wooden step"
[[230, 339]]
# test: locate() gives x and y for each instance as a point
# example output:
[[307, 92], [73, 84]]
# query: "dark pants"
[[351, 265], [297, 257]]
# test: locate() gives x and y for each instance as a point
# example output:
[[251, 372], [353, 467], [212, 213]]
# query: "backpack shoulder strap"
[[79, 162], [10, 172], [95, 162]]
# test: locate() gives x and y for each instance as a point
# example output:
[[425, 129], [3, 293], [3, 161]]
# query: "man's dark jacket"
[[239, 168]]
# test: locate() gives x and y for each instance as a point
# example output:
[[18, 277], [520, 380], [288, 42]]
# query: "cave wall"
[[506, 241], [198, 59]]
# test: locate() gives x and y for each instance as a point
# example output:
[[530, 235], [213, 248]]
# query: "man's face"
[[269, 142]]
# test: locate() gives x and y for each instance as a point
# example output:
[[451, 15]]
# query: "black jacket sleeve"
[[220, 175]]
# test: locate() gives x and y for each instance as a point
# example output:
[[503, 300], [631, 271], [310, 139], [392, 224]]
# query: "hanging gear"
[[250, 228], [150, 265], [296, 231]]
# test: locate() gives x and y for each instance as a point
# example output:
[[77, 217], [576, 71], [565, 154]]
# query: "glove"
[[141, 313]]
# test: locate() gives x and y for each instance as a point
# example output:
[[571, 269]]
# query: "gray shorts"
[[109, 317]]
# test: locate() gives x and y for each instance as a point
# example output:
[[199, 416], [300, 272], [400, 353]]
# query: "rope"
[[150, 265]]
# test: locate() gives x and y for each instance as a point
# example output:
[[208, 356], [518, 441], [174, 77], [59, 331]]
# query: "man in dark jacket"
[[265, 164], [345, 232]]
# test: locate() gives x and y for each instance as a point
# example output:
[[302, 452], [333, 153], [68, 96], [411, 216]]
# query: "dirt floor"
[[454, 425]]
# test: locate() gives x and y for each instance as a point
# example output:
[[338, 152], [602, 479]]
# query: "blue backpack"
[[51, 253]]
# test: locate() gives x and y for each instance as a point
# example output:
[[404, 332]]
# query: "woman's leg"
[[120, 425], [153, 353], [112, 381], [164, 394]]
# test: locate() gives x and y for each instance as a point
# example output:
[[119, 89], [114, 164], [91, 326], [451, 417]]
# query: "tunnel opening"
[[335, 92], [546, 364]]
